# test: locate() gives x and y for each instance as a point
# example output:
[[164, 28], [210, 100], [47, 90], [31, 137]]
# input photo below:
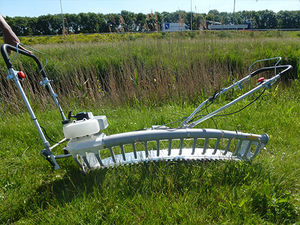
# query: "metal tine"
[[170, 147], [217, 145], [238, 147], [123, 152], [247, 149], [134, 150], [194, 146], [157, 147], [205, 145], [146, 149], [181, 146], [228, 145], [98, 157], [257, 150], [77, 161], [86, 162], [112, 155]]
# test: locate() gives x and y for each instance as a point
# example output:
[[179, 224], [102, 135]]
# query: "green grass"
[[138, 81], [265, 191], [154, 68]]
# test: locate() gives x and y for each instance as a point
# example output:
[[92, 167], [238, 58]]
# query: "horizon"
[[116, 6]]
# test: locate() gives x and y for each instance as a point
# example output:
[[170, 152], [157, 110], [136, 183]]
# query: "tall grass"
[[149, 70]]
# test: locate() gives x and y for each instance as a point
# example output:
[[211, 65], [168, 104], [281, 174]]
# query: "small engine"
[[85, 124]]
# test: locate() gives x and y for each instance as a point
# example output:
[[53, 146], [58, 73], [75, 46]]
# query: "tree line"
[[138, 22]]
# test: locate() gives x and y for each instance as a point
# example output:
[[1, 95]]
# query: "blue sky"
[[43, 7]]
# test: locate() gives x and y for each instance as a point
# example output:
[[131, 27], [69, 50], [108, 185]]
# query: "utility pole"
[[191, 14], [234, 7], [63, 19]]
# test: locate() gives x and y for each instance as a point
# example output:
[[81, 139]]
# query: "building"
[[169, 27], [212, 25]]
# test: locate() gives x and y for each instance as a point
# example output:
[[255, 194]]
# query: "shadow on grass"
[[207, 179]]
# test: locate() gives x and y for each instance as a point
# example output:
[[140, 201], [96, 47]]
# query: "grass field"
[[175, 67], [138, 83]]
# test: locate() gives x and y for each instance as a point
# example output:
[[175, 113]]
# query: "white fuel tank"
[[85, 127]]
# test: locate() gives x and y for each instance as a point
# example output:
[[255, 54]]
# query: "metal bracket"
[[12, 74], [50, 158], [45, 82], [10, 77], [240, 85]]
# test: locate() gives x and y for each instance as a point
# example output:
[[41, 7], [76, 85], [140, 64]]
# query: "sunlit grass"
[[264, 191]]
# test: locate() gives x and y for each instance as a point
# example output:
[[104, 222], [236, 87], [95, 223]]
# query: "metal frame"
[[87, 151], [246, 147], [266, 84]]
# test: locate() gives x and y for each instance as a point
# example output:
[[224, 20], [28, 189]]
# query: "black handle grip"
[[285, 67], [6, 47]]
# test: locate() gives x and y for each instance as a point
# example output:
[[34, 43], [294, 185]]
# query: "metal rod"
[[134, 150], [123, 152], [194, 146], [226, 106], [238, 147], [58, 143], [266, 83], [170, 147], [146, 149], [181, 146], [205, 145], [33, 117], [227, 147], [247, 149], [257, 150], [86, 162], [62, 156], [217, 145], [54, 96], [98, 157], [112, 155]]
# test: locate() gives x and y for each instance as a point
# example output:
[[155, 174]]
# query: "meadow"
[[137, 81]]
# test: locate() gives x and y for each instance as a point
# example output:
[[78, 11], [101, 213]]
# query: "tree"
[[266, 20]]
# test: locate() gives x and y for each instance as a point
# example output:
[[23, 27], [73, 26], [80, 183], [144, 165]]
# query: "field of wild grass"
[[138, 81], [175, 67]]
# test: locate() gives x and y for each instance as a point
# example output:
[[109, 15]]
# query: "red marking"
[[261, 80], [21, 75]]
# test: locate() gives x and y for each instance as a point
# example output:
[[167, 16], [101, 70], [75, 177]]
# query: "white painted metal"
[[90, 149]]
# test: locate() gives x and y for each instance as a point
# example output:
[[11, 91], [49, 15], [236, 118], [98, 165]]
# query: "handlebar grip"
[[6, 47], [285, 67]]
